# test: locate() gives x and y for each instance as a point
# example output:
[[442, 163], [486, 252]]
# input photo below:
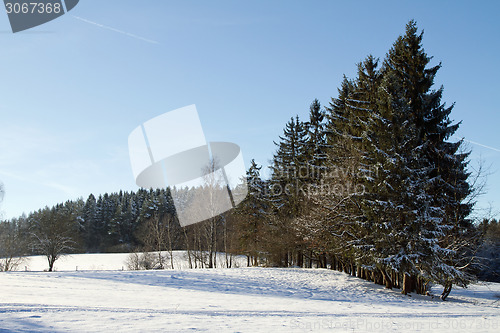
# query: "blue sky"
[[73, 89]]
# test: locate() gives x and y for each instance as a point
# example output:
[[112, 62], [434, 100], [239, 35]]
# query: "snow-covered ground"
[[226, 300], [111, 261]]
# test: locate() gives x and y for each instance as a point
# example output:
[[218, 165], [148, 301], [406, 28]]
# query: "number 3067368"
[[33, 7]]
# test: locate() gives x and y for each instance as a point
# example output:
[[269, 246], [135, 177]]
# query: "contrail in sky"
[[477, 143], [116, 30], [485, 146]]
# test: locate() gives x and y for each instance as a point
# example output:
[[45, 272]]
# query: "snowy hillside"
[[227, 300]]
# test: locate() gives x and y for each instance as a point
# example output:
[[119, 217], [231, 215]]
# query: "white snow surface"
[[100, 297], [111, 261]]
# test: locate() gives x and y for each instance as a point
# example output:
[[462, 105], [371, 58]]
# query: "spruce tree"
[[252, 213], [427, 170], [290, 168], [316, 142], [90, 224], [287, 196]]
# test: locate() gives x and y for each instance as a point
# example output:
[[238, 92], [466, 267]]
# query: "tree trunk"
[[368, 275], [408, 284], [187, 248], [333, 262], [394, 279], [300, 258], [322, 260], [52, 260], [169, 243], [225, 244], [215, 243], [387, 279], [446, 291]]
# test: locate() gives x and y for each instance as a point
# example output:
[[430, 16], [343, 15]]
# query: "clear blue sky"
[[73, 89]]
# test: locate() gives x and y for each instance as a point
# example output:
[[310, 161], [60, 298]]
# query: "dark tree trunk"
[[52, 260], [446, 291], [324, 260], [408, 284], [387, 279], [300, 259], [333, 264]]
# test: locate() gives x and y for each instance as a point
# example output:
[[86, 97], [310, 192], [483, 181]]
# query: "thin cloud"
[[68, 190], [115, 30], [21, 144]]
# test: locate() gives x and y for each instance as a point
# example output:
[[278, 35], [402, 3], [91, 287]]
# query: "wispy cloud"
[[21, 144], [68, 190], [116, 30], [40, 166]]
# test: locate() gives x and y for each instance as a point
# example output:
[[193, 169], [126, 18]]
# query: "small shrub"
[[144, 261]]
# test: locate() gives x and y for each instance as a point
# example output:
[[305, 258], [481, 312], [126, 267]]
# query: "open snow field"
[[226, 300], [111, 261]]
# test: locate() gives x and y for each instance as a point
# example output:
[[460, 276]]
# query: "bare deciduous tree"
[[12, 245], [52, 231]]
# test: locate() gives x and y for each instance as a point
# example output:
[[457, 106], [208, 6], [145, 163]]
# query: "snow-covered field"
[[226, 300], [111, 261]]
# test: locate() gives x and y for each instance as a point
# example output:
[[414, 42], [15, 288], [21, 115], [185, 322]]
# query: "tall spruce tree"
[[428, 179], [347, 166], [287, 197], [289, 167]]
